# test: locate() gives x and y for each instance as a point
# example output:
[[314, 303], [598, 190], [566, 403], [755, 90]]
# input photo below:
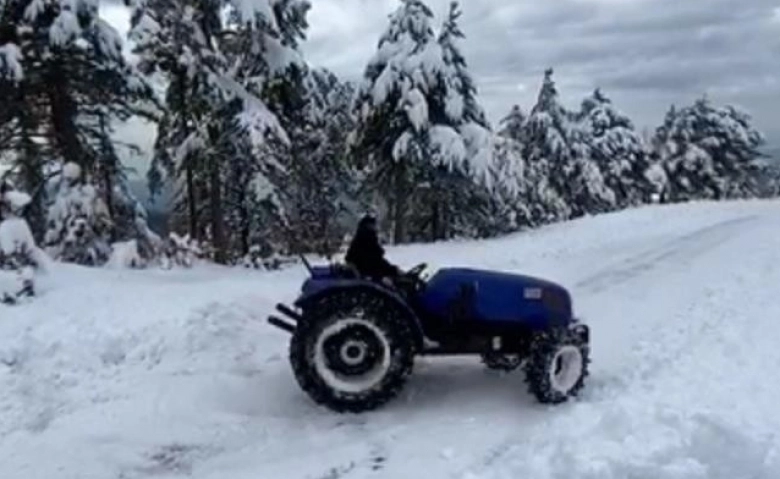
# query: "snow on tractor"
[[354, 340]]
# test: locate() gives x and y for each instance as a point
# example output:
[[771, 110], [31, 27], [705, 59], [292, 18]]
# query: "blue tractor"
[[354, 340]]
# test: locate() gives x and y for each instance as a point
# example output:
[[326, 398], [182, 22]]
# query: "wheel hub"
[[566, 368], [352, 351]]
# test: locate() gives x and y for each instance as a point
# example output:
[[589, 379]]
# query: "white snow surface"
[[166, 374]]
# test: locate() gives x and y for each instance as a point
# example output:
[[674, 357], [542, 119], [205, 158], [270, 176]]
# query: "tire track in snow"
[[681, 249], [698, 442]]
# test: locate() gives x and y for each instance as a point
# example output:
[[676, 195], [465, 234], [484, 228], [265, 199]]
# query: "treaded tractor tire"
[[383, 330], [546, 381]]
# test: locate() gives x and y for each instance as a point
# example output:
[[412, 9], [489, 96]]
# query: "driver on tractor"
[[367, 256]]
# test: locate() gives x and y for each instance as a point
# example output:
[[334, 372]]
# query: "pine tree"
[[421, 128], [79, 225], [548, 155], [322, 192], [568, 183], [392, 110], [461, 103], [467, 201], [515, 176], [68, 83], [510, 186], [709, 152], [19, 254], [587, 191], [513, 124], [618, 150], [230, 67]]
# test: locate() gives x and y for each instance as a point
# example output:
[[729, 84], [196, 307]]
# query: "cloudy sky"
[[645, 54]]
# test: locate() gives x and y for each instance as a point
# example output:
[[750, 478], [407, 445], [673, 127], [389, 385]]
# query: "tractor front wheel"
[[558, 365], [353, 351]]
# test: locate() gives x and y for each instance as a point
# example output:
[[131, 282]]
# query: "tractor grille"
[[557, 301]]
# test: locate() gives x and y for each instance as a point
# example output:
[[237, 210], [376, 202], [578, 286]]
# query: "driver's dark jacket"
[[367, 256]]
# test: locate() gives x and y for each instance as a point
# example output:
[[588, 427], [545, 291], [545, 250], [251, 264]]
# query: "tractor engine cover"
[[496, 299]]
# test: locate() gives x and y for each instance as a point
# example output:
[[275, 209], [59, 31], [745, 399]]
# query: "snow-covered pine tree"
[[618, 150], [69, 83], [79, 225], [225, 62], [515, 174], [275, 72], [709, 152], [513, 124], [586, 191], [770, 183], [22, 128], [420, 127], [322, 190], [558, 151], [392, 110], [548, 155], [461, 103], [467, 203], [509, 211], [19, 254]]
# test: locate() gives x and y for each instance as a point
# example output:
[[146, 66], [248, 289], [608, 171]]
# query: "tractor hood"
[[470, 275], [500, 296]]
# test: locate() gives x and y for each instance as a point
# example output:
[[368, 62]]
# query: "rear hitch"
[[281, 324]]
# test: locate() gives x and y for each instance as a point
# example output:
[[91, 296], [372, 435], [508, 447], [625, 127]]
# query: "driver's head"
[[368, 223]]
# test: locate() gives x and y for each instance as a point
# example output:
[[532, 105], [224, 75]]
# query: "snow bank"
[[125, 255], [19, 256]]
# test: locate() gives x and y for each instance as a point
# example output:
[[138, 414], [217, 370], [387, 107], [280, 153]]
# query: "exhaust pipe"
[[283, 325], [285, 310]]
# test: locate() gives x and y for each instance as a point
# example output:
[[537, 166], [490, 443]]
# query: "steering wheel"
[[417, 270]]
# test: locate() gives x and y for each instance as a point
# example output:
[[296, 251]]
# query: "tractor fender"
[[358, 285]]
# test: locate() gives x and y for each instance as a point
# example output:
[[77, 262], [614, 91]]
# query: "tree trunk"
[[63, 116], [108, 175], [192, 210], [217, 218], [435, 220], [243, 211], [399, 205], [32, 173], [109, 185], [183, 110]]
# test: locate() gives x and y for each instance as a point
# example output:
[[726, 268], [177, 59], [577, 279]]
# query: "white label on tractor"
[[532, 293]]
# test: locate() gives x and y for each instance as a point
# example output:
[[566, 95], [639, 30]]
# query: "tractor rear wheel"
[[353, 350], [557, 366]]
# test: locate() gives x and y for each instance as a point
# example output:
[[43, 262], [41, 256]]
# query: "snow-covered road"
[[164, 374]]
